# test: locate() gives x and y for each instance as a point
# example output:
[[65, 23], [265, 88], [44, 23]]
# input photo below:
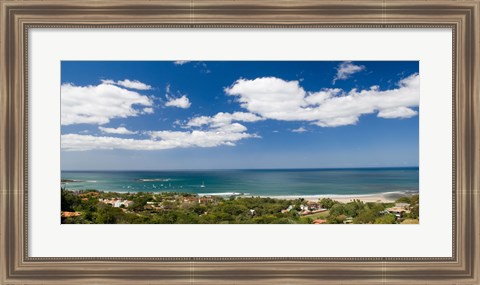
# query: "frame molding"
[[17, 17]]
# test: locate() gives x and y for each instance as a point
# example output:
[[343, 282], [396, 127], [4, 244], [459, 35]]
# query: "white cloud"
[[119, 131], [199, 121], [299, 130], [159, 140], [345, 69], [320, 97], [337, 121], [99, 104], [274, 98], [226, 135], [181, 62], [148, 110], [217, 131], [181, 102], [221, 119], [131, 84], [270, 97], [400, 112], [177, 122]]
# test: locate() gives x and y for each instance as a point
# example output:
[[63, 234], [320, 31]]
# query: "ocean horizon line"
[[242, 169]]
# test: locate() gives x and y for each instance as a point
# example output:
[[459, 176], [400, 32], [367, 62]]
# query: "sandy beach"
[[381, 197], [373, 198]]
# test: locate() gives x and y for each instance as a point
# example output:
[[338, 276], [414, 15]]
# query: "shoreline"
[[385, 197], [381, 198]]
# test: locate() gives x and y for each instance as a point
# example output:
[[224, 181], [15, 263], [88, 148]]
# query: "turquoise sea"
[[264, 182]]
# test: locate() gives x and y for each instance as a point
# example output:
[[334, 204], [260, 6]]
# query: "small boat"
[[203, 185]]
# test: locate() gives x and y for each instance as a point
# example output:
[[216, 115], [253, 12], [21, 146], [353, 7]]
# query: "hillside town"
[[91, 206]]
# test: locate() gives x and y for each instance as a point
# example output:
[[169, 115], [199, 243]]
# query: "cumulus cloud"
[[222, 119], [119, 131], [221, 129], [99, 104], [181, 102], [148, 110], [400, 112], [131, 84], [175, 101], [345, 69], [159, 140], [299, 130], [226, 135], [274, 98]]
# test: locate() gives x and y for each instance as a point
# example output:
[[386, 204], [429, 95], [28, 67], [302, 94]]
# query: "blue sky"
[[156, 115]]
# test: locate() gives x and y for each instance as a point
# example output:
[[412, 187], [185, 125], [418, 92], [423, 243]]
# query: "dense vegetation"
[[369, 213], [182, 208]]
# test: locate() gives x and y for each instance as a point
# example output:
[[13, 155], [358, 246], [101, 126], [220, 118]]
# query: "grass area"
[[322, 215]]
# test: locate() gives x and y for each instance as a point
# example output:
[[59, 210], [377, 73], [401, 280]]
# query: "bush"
[[327, 203], [69, 201], [386, 219]]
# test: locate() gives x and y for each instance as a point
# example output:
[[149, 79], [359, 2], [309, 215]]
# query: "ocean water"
[[278, 182]]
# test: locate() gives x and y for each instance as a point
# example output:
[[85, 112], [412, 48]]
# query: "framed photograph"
[[204, 165], [226, 142]]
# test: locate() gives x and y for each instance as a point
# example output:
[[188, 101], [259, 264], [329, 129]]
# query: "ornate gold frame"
[[17, 17]]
